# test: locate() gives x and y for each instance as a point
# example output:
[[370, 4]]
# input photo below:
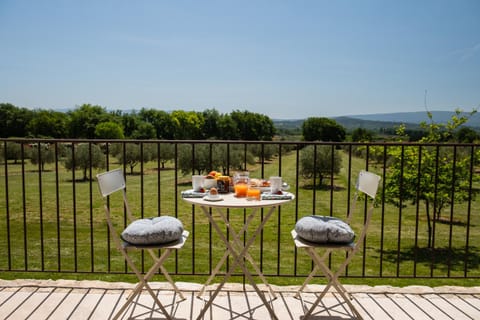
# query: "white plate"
[[210, 198]]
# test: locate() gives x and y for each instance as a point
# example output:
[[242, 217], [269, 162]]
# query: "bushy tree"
[[109, 130], [317, 161], [84, 120], [48, 124], [14, 120], [436, 175], [131, 154], [83, 157], [322, 129], [42, 153]]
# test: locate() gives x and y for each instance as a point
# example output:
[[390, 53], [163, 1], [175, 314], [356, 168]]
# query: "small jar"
[[223, 184]]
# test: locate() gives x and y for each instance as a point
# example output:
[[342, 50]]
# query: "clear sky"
[[285, 59]]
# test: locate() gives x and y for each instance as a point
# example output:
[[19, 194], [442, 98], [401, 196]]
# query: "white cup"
[[197, 182], [275, 184]]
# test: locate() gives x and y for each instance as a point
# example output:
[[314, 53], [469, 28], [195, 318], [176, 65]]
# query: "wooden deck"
[[25, 299]]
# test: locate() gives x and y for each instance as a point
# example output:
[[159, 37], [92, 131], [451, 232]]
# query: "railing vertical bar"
[[124, 156], [175, 196], [74, 208], [210, 235], [365, 211], [24, 205], [469, 211], [57, 206], [348, 192], [7, 208], [399, 234], [262, 161], [279, 219], [297, 171], [193, 207], [142, 197], [417, 210], [382, 231], [452, 204], [92, 239], [435, 213], [40, 204], [109, 255]]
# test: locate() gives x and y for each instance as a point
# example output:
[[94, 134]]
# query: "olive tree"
[[85, 156], [436, 175], [318, 162]]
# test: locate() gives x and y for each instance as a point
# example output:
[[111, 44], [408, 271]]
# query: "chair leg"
[[332, 281], [143, 283]]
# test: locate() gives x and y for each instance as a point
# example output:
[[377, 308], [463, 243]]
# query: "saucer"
[[212, 198]]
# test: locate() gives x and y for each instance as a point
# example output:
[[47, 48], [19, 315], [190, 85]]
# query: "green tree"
[[211, 124], [162, 122], [84, 120], [252, 126], [362, 134], [435, 175], [317, 162], [131, 154], [83, 157], [14, 120], [322, 129], [466, 135], [13, 151], [42, 153], [48, 124], [210, 157], [188, 125], [109, 130]]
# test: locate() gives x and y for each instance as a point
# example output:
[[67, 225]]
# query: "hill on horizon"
[[417, 117], [376, 122]]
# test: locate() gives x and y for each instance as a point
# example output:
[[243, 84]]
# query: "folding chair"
[[328, 234], [162, 232]]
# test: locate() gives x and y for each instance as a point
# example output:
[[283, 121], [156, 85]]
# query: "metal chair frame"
[[367, 184], [109, 183]]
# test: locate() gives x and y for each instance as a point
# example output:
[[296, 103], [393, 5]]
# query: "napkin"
[[270, 196], [193, 194]]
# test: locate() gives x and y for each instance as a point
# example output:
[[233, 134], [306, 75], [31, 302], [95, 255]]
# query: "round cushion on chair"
[[321, 229], [152, 231]]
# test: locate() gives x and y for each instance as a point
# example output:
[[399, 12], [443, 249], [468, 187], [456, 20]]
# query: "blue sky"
[[285, 59]]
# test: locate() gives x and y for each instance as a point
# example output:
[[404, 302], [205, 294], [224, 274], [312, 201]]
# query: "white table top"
[[230, 201]]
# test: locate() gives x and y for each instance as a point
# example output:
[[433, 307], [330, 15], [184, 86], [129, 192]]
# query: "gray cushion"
[[320, 229], [151, 231]]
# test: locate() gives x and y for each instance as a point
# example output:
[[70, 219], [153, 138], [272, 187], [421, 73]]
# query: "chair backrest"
[[110, 181], [367, 183]]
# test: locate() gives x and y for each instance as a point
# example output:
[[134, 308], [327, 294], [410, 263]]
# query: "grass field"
[[50, 232]]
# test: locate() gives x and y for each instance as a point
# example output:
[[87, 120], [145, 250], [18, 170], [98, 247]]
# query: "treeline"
[[95, 122]]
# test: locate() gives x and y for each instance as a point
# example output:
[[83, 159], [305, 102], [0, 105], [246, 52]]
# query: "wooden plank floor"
[[28, 299]]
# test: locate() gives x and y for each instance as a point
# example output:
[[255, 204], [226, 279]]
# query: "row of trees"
[[95, 122], [91, 122]]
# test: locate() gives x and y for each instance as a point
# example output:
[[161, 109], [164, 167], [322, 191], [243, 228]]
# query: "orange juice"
[[241, 190], [253, 193]]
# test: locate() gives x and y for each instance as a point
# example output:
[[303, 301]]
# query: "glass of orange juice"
[[241, 190], [253, 193]]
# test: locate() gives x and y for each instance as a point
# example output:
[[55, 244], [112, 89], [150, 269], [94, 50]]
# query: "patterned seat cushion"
[[158, 230], [320, 229]]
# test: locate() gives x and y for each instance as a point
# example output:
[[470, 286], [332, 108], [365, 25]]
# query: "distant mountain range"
[[386, 120], [417, 117]]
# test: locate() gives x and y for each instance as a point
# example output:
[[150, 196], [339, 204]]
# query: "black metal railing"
[[426, 224]]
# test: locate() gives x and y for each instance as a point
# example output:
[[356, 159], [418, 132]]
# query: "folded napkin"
[[193, 194], [270, 196]]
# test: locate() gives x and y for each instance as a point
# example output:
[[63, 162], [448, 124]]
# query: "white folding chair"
[[367, 184], [166, 234]]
